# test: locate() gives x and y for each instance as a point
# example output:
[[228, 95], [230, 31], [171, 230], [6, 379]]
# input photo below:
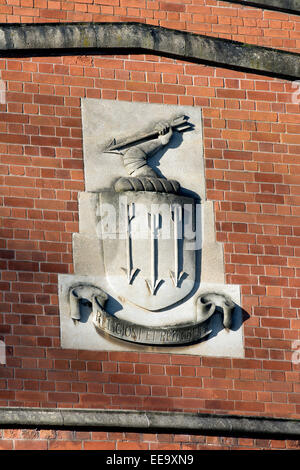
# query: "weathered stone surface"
[[88, 259], [136, 37], [151, 421]]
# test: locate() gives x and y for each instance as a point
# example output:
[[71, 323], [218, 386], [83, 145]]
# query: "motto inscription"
[[164, 336]]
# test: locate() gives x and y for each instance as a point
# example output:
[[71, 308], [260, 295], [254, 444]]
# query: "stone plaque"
[[149, 273]]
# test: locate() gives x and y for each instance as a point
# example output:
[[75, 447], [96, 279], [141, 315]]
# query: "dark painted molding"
[[152, 421], [18, 40], [286, 6]]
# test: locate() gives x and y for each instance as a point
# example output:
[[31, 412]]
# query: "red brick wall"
[[252, 152], [47, 439], [216, 18]]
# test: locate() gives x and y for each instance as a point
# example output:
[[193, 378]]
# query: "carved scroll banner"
[[162, 336], [206, 305], [173, 335], [96, 296]]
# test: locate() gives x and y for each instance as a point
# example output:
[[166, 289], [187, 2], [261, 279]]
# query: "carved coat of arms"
[[149, 256], [148, 238]]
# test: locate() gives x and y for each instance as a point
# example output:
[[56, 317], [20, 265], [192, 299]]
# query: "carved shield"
[[149, 245]]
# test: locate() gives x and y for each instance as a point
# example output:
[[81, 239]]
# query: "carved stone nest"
[[146, 183]]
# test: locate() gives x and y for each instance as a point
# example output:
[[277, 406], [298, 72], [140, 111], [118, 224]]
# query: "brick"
[[14, 138], [170, 88], [156, 380], [30, 396], [124, 378], [23, 266], [168, 6], [6, 444], [17, 76], [131, 446], [265, 137], [276, 365], [63, 397], [249, 406], [30, 445], [261, 96], [273, 281], [65, 445], [98, 445], [153, 358]]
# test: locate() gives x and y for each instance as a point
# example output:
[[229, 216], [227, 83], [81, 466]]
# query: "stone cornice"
[[152, 421], [121, 38]]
